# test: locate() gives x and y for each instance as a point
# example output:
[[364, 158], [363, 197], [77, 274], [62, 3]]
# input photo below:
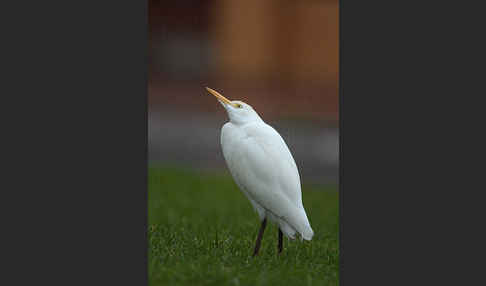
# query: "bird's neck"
[[240, 122]]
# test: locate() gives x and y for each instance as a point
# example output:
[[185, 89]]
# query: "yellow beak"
[[220, 97]]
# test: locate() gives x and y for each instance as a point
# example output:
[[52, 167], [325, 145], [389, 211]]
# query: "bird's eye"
[[238, 105]]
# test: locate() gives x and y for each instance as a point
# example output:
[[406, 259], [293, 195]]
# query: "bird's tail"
[[307, 233], [302, 225]]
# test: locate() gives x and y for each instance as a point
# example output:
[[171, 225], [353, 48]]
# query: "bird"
[[264, 169]]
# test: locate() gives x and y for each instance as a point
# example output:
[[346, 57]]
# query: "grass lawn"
[[202, 231]]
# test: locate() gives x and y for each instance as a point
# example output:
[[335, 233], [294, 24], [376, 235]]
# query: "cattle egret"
[[264, 170]]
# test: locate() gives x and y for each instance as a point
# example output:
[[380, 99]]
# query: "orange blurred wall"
[[293, 40]]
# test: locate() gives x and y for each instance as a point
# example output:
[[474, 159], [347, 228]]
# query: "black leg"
[[259, 238], [280, 241]]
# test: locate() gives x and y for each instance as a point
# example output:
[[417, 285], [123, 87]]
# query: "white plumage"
[[265, 171], [263, 168]]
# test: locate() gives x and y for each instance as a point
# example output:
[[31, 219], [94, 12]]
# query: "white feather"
[[265, 171]]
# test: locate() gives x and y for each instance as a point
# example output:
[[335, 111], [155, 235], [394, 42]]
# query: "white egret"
[[264, 170]]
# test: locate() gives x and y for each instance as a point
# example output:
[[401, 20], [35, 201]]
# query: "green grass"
[[202, 231]]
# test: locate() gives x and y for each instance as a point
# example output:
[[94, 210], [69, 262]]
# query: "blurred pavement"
[[192, 140]]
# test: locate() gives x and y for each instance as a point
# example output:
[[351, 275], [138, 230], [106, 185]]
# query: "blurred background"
[[281, 57]]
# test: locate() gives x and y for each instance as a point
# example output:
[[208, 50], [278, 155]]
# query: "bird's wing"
[[276, 159], [264, 168]]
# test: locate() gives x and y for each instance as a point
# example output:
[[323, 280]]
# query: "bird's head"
[[238, 111]]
